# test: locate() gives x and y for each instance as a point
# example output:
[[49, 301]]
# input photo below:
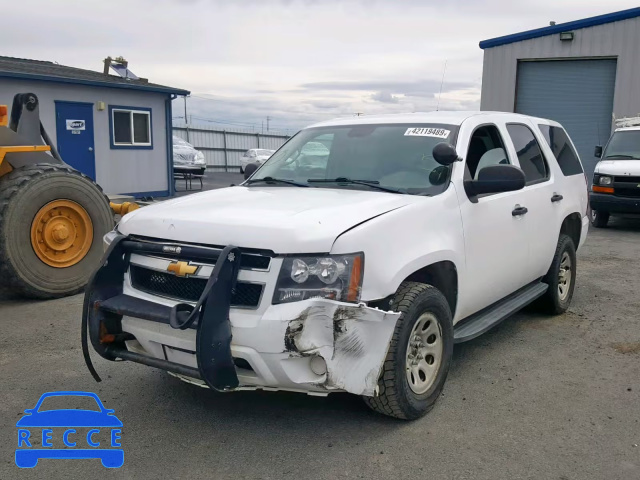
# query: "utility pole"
[[263, 127], [268, 119], [185, 110], [186, 119]]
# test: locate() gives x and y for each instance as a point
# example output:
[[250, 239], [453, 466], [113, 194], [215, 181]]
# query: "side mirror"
[[598, 151], [445, 154], [496, 179], [249, 169]]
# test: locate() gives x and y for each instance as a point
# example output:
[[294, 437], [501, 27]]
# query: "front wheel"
[[599, 219], [419, 355]]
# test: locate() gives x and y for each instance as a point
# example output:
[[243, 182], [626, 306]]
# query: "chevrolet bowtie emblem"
[[181, 269]]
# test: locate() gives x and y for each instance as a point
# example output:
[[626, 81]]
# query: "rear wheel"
[[419, 356], [561, 279], [52, 220], [599, 219]]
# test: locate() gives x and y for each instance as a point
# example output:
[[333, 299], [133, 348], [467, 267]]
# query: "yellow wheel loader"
[[52, 217]]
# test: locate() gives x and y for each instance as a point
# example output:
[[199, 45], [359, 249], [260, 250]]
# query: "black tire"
[[599, 219], [552, 302], [395, 397], [23, 192]]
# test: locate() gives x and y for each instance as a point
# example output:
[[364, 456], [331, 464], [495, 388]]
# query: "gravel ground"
[[536, 398]]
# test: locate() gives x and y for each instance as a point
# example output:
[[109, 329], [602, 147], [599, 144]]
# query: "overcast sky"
[[296, 61]]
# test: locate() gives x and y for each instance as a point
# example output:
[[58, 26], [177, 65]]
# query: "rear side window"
[[561, 147], [529, 153]]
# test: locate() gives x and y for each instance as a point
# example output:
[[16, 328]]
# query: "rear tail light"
[[4, 116], [586, 182]]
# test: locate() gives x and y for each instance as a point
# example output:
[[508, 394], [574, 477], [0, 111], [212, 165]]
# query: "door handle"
[[518, 210], [91, 149], [556, 197]]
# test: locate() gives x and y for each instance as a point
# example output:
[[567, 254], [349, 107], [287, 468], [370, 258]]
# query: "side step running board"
[[479, 323]]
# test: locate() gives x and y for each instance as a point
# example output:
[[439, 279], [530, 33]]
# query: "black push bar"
[[105, 305]]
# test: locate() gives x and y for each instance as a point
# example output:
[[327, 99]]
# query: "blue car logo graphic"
[[76, 429]]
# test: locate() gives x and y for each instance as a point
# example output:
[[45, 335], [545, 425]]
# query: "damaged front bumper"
[[314, 346]]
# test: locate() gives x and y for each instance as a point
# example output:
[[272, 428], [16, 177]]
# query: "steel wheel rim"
[[424, 353], [564, 276], [61, 233]]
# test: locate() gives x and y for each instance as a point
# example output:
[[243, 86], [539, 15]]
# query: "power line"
[[245, 126]]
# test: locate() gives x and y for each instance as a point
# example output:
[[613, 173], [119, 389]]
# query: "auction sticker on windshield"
[[427, 132]]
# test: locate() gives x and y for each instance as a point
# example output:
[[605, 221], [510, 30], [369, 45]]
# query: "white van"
[[616, 179]]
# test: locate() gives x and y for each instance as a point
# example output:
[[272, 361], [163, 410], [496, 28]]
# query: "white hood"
[[618, 167], [281, 219]]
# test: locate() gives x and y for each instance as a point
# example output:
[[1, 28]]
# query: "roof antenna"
[[441, 83]]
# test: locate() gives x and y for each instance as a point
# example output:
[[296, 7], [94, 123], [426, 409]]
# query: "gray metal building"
[[117, 131], [581, 74]]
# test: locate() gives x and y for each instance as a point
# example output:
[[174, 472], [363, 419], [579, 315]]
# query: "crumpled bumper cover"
[[352, 339]]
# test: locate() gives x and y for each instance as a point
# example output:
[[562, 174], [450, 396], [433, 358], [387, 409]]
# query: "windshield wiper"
[[275, 180], [367, 183], [621, 157]]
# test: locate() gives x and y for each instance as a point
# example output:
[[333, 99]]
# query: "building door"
[[576, 93], [74, 131]]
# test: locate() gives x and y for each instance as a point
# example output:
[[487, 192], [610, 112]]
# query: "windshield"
[[264, 152], [624, 146], [74, 402], [397, 157]]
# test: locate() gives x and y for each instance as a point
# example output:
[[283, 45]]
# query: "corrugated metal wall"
[[619, 40], [576, 93], [223, 148]]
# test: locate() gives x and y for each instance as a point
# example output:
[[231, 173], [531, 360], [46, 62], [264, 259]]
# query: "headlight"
[[337, 277], [199, 159], [604, 180]]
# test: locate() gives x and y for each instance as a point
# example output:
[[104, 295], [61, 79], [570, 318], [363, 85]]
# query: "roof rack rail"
[[627, 122]]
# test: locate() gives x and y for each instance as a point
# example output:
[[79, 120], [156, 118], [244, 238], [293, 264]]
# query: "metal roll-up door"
[[576, 93]]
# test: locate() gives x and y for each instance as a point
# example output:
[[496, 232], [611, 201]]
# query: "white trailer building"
[[118, 131]]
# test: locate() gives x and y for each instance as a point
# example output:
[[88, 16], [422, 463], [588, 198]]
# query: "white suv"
[[254, 155], [356, 273]]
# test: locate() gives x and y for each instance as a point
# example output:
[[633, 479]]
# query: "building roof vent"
[[120, 66]]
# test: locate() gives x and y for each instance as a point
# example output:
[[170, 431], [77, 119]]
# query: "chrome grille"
[[246, 295]]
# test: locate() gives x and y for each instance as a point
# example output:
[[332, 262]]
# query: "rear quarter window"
[[560, 145]]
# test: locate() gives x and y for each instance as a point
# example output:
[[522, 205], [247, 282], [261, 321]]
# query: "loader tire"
[[52, 220]]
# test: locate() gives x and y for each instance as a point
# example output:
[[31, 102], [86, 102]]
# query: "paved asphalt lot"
[[536, 398]]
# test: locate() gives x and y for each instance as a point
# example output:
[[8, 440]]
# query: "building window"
[[130, 127]]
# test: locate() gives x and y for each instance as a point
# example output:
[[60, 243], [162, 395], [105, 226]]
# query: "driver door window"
[[485, 148]]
